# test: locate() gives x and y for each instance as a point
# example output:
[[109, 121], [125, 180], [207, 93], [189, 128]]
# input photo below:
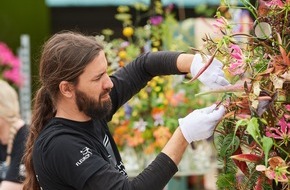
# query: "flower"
[[147, 121], [238, 65], [140, 125], [282, 132], [128, 31], [274, 3], [10, 66], [276, 171], [156, 20], [256, 125]]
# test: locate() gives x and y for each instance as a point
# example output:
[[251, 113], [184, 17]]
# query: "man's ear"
[[66, 89]]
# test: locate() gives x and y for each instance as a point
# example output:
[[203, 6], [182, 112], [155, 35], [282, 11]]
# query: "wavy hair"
[[64, 58]]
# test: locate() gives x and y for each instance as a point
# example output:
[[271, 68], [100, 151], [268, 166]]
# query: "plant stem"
[[277, 146]]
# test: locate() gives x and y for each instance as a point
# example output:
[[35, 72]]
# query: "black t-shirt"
[[15, 172], [67, 153]]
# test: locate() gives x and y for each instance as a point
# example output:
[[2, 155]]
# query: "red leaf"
[[259, 184], [247, 157], [242, 165]]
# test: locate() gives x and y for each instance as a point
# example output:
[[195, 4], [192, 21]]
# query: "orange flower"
[[149, 149], [135, 139], [120, 134], [156, 111], [162, 135], [175, 98]]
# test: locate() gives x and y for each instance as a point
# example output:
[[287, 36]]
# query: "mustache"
[[106, 91]]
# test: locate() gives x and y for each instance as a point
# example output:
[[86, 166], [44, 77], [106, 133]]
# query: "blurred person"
[[13, 133], [69, 144]]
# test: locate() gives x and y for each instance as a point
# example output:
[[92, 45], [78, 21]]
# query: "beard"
[[91, 107]]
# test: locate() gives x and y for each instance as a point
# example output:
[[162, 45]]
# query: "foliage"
[[253, 137], [9, 66]]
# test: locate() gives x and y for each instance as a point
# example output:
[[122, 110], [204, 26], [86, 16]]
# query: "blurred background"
[[39, 19], [26, 24]]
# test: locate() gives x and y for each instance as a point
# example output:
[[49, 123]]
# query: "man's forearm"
[[176, 146], [184, 62]]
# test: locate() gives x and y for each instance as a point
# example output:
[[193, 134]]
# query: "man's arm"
[[197, 125], [184, 62]]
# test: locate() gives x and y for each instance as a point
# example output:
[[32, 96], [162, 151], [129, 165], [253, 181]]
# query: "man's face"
[[92, 91]]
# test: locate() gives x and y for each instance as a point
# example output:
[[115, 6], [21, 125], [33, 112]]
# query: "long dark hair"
[[64, 57]]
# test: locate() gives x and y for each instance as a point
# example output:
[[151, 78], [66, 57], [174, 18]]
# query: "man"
[[70, 147]]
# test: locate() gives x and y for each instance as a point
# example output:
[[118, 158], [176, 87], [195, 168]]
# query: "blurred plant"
[[9, 66], [253, 137], [148, 120]]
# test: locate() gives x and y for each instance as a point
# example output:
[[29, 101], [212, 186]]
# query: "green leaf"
[[229, 145], [226, 181], [253, 129], [267, 145], [242, 122]]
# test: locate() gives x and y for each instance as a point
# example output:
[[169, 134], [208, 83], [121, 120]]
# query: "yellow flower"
[[134, 113], [153, 83], [157, 89], [122, 54], [143, 94], [154, 49], [128, 31]]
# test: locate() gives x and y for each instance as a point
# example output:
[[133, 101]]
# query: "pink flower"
[[11, 65], [13, 75], [276, 171], [221, 23], [287, 107], [156, 20], [272, 3], [282, 132], [125, 44], [6, 55], [237, 66], [169, 8]]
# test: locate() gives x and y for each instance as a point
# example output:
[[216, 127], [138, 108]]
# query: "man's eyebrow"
[[98, 75]]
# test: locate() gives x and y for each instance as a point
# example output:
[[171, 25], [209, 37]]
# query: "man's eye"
[[97, 79]]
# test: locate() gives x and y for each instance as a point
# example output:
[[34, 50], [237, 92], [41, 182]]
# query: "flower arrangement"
[[253, 137], [9, 66]]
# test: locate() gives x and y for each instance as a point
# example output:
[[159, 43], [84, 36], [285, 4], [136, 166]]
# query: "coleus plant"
[[253, 137]]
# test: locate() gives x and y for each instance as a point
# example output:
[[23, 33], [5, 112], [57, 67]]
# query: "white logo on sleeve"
[[86, 152]]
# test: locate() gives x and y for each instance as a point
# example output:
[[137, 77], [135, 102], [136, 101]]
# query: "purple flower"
[[156, 20], [125, 44]]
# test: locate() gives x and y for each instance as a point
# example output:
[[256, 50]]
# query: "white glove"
[[213, 76], [200, 123]]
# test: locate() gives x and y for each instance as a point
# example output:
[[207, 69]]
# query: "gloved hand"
[[213, 76], [200, 123]]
